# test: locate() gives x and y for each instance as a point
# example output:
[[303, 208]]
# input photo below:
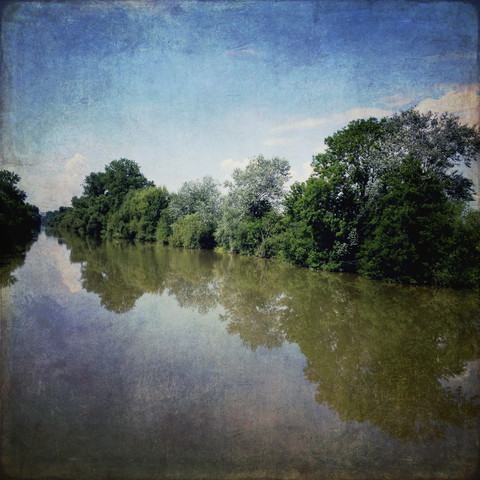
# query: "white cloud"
[[76, 165], [71, 178], [337, 118], [463, 101], [229, 165], [67, 182], [301, 176], [243, 51]]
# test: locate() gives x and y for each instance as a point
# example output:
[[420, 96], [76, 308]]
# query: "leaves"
[[17, 217], [383, 199]]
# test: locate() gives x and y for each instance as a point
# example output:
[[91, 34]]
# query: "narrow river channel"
[[123, 361]]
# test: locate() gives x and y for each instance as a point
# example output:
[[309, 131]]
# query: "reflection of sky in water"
[[163, 390]]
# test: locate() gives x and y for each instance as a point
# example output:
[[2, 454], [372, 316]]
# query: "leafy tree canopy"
[[103, 195], [201, 197], [17, 217], [250, 210], [119, 177], [260, 187], [383, 197]]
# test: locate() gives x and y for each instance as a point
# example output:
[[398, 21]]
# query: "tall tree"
[[258, 188], [377, 183], [103, 194], [407, 230], [17, 217], [138, 216], [440, 143], [326, 213], [194, 211], [119, 177], [250, 210]]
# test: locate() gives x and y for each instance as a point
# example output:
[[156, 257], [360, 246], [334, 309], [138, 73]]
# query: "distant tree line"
[[17, 217], [386, 200]]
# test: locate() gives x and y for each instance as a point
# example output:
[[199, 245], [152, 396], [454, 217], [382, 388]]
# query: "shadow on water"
[[14, 257], [378, 353]]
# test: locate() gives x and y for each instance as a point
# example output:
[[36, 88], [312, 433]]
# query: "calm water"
[[145, 362]]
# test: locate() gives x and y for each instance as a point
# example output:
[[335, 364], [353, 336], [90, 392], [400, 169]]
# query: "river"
[[124, 361]]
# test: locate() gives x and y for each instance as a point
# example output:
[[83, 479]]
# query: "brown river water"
[[123, 361]]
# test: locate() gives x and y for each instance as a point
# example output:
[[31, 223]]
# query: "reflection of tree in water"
[[379, 352], [191, 279], [250, 293], [121, 272], [118, 272], [12, 259], [376, 352]]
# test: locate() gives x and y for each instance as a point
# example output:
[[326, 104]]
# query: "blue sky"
[[194, 88]]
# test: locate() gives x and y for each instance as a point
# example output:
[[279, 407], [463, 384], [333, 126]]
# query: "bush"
[[190, 232]]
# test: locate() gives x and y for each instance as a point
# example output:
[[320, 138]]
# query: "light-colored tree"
[[253, 193], [259, 188], [200, 197]]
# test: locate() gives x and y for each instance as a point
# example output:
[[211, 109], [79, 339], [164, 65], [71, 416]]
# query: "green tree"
[[190, 232], [412, 218], [139, 214], [260, 187], [252, 206], [164, 227], [440, 143], [17, 217], [325, 214], [383, 197], [203, 199], [103, 194], [460, 264], [119, 177]]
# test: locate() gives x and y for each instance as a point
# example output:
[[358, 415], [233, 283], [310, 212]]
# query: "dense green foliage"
[[251, 211], [17, 217], [103, 195], [386, 199], [193, 213], [138, 215]]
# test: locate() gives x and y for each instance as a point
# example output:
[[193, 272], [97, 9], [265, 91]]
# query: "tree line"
[[17, 217], [387, 199]]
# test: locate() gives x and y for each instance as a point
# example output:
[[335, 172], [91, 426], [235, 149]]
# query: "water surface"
[[125, 361]]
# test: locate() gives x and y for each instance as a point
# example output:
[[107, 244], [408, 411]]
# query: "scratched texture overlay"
[[137, 362]]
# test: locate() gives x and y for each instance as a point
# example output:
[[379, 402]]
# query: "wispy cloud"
[[69, 178], [76, 165], [300, 125], [463, 101], [243, 51], [335, 119]]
